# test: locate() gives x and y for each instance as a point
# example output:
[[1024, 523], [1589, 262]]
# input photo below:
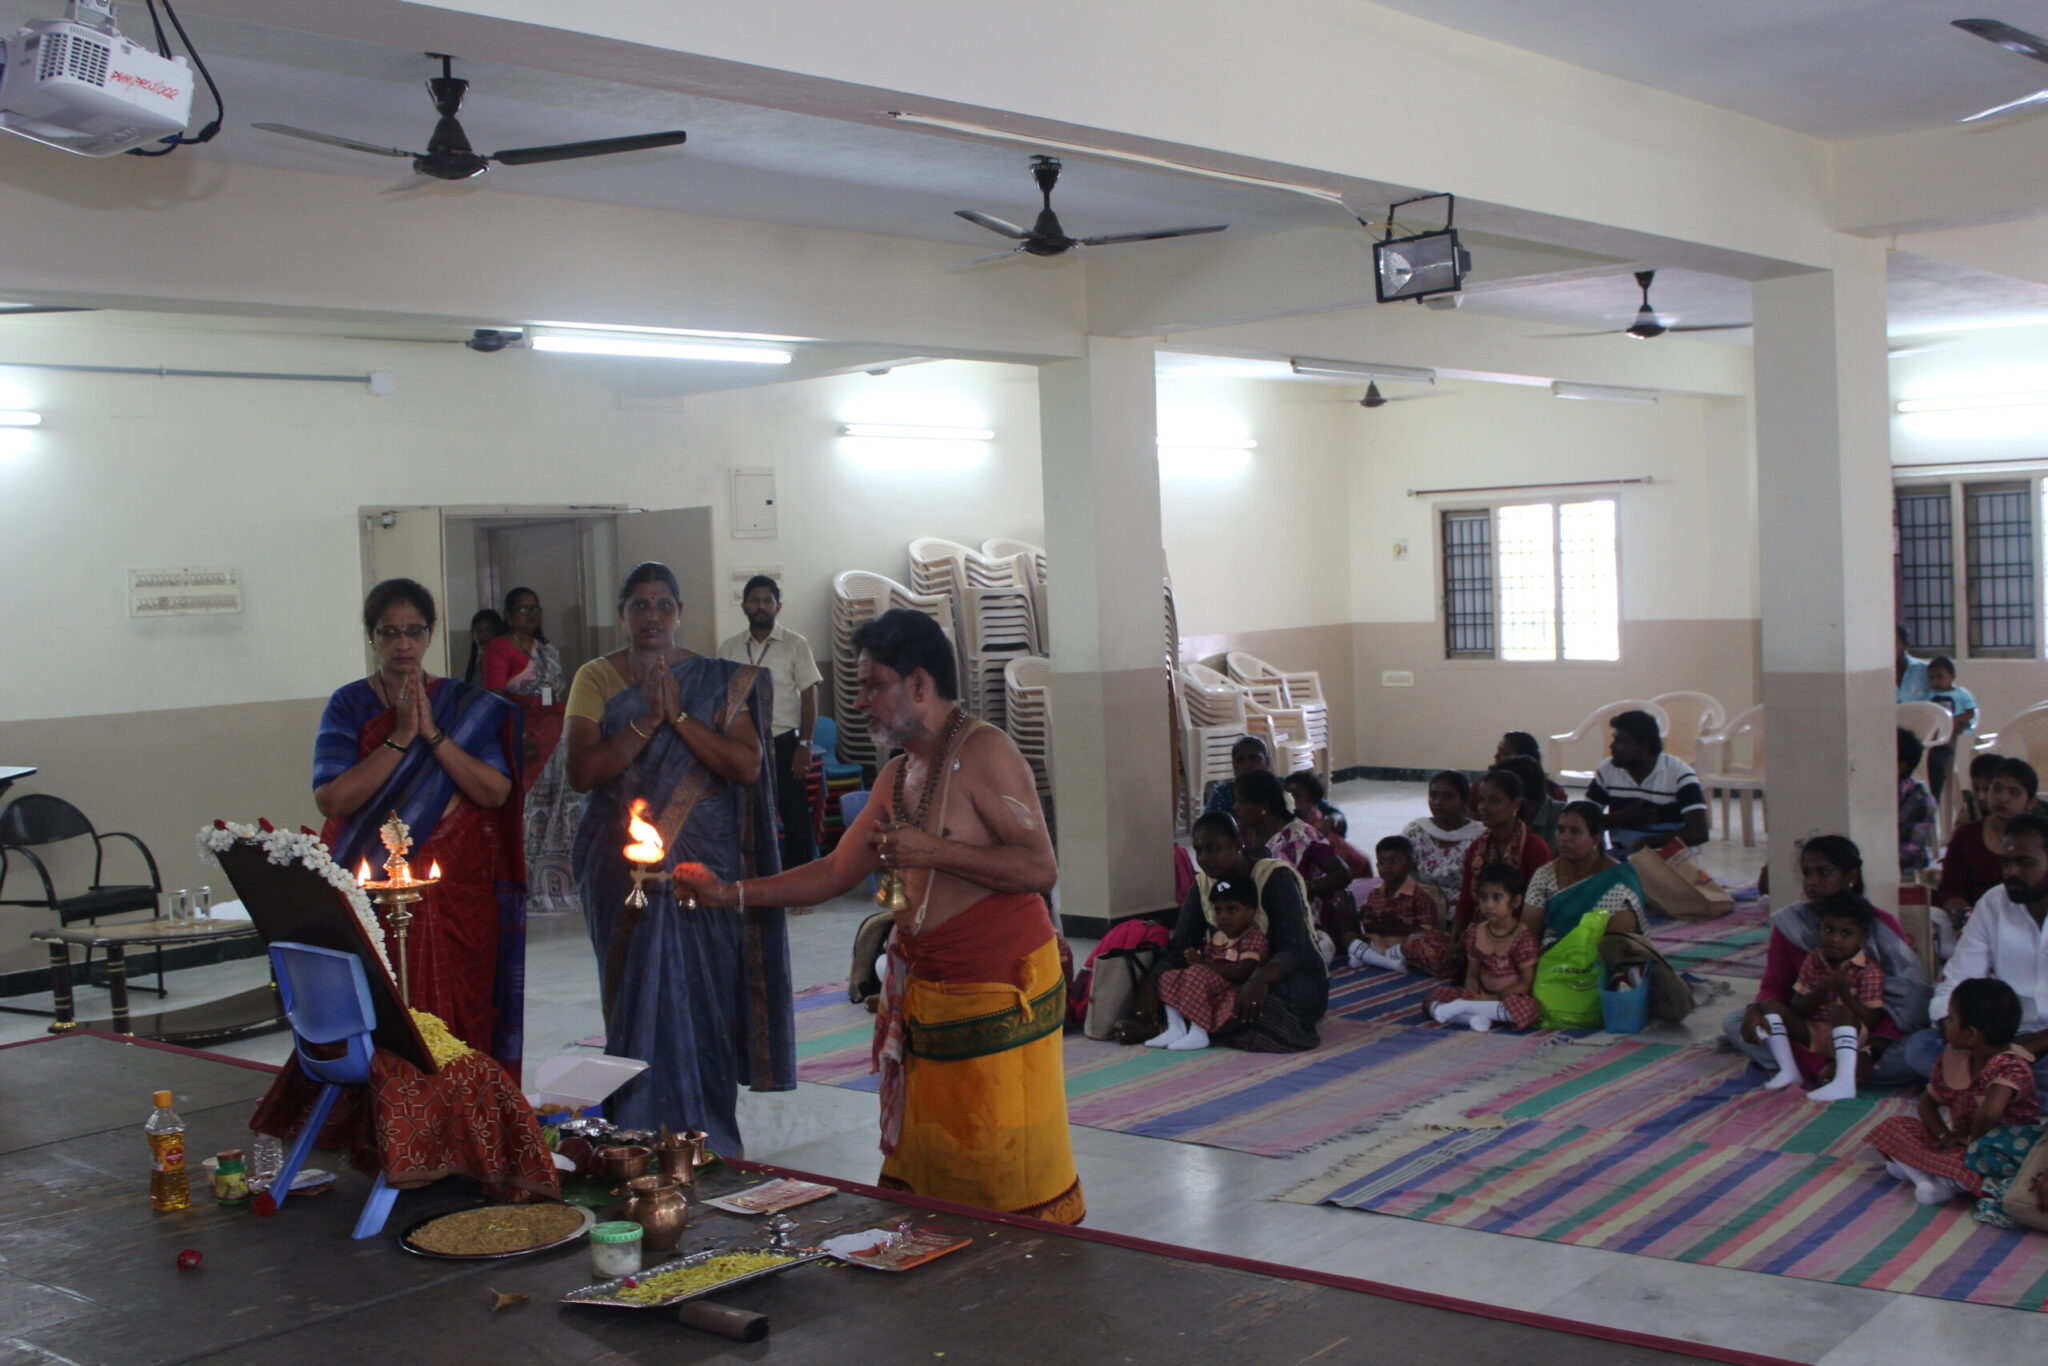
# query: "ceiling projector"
[[76, 84]]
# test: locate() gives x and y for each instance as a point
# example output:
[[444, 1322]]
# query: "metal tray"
[[405, 1239], [600, 1293]]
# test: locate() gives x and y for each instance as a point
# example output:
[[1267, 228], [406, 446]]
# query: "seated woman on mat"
[[1540, 810], [1504, 839], [1202, 995], [1838, 996], [1975, 861], [1441, 838], [1521, 742], [1583, 877], [1264, 821], [1500, 954], [1830, 865], [1649, 795], [1279, 1007]]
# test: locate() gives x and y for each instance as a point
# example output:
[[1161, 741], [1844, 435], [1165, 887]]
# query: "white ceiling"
[[1832, 68]]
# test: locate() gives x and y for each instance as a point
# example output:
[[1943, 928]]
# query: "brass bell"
[[890, 893]]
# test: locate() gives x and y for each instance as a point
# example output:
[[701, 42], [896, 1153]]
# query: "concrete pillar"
[[1824, 527], [1112, 776]]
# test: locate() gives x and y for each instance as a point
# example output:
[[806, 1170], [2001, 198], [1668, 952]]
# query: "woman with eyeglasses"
[[444, 756], [700, 994]]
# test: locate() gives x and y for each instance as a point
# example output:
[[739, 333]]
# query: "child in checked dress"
[[1203, 995]]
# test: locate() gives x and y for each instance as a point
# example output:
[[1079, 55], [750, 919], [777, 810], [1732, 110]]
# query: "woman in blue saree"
[[702, 995], [1583, 877], [444, 756]]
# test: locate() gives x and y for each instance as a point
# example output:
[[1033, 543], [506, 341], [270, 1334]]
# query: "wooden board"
[[87, 1274]]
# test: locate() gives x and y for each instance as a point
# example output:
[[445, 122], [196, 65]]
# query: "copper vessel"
[[658, 1205], [679, 1158], [619, 1163]]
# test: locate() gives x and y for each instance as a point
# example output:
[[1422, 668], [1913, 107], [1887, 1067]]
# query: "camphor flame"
[[647, 846], [434, 873], [363, 873]]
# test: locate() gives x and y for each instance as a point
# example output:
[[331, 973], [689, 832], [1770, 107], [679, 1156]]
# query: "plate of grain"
[[700, 1273], [490, 1231]]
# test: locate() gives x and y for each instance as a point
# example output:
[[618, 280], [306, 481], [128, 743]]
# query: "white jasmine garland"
[[287, 847]]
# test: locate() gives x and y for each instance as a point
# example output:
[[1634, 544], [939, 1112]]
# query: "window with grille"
[[1927, 571], [1998, 539], [1532, 581]]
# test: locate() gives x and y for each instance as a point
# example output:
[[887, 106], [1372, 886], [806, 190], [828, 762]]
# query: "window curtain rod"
[[1524, 488]]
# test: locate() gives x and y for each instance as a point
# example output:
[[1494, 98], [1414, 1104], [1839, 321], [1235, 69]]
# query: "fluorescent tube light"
[[677, 332], [18, 417], [650, 348], [907, 432], [1206, 443], [1963, 402], [1348, 369], [1602, 393]]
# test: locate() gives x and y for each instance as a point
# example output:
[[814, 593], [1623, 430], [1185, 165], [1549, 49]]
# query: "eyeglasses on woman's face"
[[391, 635]]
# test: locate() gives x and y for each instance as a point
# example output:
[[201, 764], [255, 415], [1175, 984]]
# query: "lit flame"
[[363, 873], [647, 846], [434, 873]]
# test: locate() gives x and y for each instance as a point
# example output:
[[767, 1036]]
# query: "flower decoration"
[[285, 848]]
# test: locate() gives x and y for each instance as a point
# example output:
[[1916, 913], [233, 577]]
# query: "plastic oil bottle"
[[169, 1186]]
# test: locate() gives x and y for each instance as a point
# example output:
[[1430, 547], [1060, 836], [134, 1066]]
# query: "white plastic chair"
[[1593, 732], [1725, 766], [1688, 716]]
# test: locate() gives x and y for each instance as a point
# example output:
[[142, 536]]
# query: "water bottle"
[[266, 1157], [169, 1186]]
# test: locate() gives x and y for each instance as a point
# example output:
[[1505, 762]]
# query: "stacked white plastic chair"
[[1001, 548], [997, 605], [1301, 690], [1213, 720], [1027, 715], [858, 597]]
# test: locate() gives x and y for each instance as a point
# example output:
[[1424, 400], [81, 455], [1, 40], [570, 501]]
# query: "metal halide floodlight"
[[1426, 264], [76, 84]]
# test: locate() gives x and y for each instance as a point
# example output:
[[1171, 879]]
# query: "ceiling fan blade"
[[1708, 327], [20, 310], [2006, 36], [1114, 238], [334, 141], [2010, 106], [992, 223], [597, 147], [984, 260], [1552, 336]]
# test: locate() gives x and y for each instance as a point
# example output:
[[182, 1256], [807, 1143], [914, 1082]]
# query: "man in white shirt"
[[2005, 938], [1649, 795], [787, 658]]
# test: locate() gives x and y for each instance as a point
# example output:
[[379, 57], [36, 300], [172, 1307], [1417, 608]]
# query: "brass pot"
[[620, 1164], [678, 1162], [658, 1205]]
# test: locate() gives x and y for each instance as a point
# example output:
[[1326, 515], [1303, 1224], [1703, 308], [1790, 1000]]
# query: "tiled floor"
[[1218, 1200]]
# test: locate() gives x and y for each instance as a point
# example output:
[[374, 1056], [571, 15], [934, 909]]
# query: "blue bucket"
[[1627, 1010]]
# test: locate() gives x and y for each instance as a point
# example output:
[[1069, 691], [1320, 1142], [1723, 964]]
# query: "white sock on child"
[[1930, 1189], [1393, 957], [1780, 1044], [1358, 951], [1484, 1015], [1363, 953], [1176, 1029], [1443, 1012], [1196, 1037], [1843, 1085]]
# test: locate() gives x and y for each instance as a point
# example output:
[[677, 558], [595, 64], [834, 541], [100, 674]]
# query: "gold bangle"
[[390, 743], [634, 726]]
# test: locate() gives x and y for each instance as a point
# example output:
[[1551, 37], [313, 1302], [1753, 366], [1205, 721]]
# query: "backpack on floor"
[[868, 943], [1113, 988], [1670, 996]]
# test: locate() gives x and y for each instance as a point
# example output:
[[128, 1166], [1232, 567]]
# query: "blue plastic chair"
[[327, 999], [825, 737], [850, 806]]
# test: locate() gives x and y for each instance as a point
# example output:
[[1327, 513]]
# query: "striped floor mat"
[[1374, 1063], [1811, 1215], [1733, 946]]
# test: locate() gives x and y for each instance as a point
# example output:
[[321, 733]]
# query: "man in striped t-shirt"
[[1648, 794]]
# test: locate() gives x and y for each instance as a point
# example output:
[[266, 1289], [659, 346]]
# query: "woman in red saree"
[[444, 757]]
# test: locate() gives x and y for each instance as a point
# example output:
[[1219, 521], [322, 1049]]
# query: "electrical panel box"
[[753, 502]]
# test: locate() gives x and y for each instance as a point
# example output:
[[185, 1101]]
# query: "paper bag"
[[1675, 884]]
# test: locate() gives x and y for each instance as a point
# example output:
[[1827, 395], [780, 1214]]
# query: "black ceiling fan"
[[1047, 237], [2012, 40], [1375, 399], [449, 155], [1649, 324]]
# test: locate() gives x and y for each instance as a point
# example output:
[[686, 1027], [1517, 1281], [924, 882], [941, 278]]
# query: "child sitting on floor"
[[1501, 958], [1203, 995], [1980, 1115], [1837, 996], [1394, 910]]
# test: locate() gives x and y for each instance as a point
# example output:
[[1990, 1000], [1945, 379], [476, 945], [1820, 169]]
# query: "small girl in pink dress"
[[1500, 958], [1980, 1114], [1203, 995]]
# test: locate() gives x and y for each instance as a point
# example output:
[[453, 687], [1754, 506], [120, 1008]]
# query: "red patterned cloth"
[[1907, 1140], [1205, 998], [1498, 971], [466, 1120]]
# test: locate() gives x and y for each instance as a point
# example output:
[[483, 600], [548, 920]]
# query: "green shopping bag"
[[1568, 976]]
